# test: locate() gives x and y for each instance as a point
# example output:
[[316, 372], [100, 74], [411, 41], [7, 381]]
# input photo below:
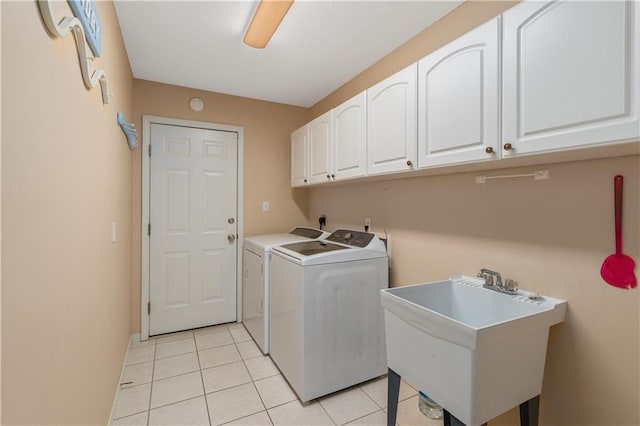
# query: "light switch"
[[265, 206]]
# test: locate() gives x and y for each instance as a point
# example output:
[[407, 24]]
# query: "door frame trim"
[[147, 121]]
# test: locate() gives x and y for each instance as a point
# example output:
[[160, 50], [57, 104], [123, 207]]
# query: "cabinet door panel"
[[458, 99], [349, 142], [320, 138], [299, 146], [391, 123], [570, 74]]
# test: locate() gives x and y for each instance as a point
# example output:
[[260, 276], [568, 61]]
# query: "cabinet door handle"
[[409, 163], [305, 181], [333, 176], [489, 150], [507, 147], [328, 176]]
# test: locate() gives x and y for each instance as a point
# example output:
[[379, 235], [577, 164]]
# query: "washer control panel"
[[352, 238]]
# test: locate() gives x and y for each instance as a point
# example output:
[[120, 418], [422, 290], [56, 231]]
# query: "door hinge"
[[149, 229], [149, 150], [149, 308]]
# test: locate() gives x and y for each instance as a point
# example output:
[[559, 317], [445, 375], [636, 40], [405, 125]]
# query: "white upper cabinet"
[[391, 123], [544, 76], [458, 87], [571, 75], [299, 156], [350, 138], [321, 148]]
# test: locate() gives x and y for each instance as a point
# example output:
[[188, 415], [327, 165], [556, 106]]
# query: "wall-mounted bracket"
[[129, 131]]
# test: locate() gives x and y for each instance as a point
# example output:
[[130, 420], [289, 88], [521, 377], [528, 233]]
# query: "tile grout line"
[[119, 388], [205, 392], [204, 389], [174, 341], [153, 370], [362, 417], [370, 399], [253, 382], [155, 343], [326, 412]]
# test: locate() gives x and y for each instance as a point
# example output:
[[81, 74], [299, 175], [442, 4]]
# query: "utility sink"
[[475, 351]]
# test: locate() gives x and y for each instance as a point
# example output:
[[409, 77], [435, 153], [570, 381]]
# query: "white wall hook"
[[129, 130]]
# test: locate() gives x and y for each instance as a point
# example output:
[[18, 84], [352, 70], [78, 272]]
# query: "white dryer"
[[327, 321], [255, 298]]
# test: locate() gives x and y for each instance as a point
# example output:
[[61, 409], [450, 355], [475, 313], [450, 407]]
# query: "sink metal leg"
[[529, 412], [393, 391], [451, 420], [528, 409]]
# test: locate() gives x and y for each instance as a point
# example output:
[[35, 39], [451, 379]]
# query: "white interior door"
[[193, 218]]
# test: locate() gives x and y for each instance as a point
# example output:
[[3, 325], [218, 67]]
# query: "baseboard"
[[132, 338]]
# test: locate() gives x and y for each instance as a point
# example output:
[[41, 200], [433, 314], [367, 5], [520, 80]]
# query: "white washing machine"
[[327, 321], [255, 299]]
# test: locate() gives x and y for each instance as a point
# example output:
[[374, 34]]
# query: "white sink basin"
[[475, 351]]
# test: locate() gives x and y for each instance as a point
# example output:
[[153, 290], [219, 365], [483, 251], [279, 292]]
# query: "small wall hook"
[[129, 131]]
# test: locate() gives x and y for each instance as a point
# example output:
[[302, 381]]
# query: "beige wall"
[[267, 164], [66, 174], [551, 236]]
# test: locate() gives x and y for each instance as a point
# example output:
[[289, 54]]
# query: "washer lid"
[[352, 238], [360, 246], [310, 248], [266, 241], [311, 233]]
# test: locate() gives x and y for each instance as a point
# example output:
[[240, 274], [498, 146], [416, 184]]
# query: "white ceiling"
[[319, 46]]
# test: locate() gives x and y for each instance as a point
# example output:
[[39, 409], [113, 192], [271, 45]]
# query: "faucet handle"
[[511, 285], [488, 278]]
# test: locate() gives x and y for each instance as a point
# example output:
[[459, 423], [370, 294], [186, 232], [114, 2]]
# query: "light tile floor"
[[217, 375]]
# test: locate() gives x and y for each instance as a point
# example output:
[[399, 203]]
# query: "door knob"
[[231, 237]]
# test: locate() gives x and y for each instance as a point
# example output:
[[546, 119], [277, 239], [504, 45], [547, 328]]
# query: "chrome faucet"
[[493, 281]]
